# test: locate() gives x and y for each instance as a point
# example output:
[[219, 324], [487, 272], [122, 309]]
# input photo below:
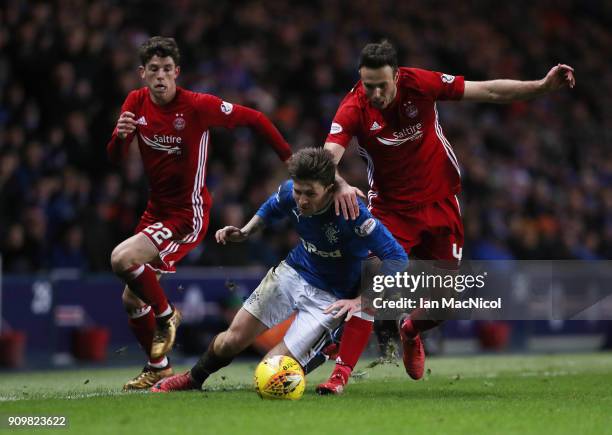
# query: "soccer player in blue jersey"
[[319, 279]]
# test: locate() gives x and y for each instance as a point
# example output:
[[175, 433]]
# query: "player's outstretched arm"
[[237, 235], [506, 91], [265, 128], [345, 195], [218, 113]]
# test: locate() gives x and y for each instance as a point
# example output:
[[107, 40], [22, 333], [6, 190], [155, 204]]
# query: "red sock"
[[354, 339], [143, 328], [143, 281], [344, 371], [419, 322]]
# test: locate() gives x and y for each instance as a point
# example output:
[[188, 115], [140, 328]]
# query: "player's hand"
[[344, 306], [345, 200], [126, 124], [230, 234], [558, 77]]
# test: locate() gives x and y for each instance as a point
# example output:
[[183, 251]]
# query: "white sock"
[[160, 365], [166, 312], [139, 312]]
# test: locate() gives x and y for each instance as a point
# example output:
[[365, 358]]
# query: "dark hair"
[[378, 55], [160, 46], [313, 164]]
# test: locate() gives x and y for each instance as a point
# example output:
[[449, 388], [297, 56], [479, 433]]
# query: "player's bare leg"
[[243, 331]]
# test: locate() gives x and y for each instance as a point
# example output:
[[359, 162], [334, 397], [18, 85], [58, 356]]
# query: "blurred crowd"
[[536, 175]]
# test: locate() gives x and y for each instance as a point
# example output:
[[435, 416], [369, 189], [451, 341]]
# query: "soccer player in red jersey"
[[413, 173], [171, 126]]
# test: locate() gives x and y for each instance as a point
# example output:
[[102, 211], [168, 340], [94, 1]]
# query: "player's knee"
[[121, 260], [116, 259]]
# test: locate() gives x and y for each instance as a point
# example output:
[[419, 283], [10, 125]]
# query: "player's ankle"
[[162, 316], [159, 363], [344, 371], [163, 313], [198, 376]]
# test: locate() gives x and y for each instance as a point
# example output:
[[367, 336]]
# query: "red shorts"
[[174, 233], [428, 232]]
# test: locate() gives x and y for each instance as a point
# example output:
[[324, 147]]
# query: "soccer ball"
[[280, 377]]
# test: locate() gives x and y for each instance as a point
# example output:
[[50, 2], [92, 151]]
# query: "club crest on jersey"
[[331, 231], [366, 228], [179, 122], [410, 110]]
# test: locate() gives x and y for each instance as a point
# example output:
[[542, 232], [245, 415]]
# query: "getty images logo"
[[457, 252]]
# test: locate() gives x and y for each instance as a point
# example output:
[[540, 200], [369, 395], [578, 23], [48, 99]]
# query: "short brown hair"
[[378, 55], [160, 46], [313, 164]]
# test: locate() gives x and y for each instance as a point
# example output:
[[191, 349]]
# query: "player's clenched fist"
[[230, 234], [560, 76], [126, 124]]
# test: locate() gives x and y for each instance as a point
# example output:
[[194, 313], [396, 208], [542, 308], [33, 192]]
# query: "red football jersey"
[[409, 161], [174, 143]]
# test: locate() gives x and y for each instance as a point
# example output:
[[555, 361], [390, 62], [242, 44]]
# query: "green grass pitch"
[[561, 394]]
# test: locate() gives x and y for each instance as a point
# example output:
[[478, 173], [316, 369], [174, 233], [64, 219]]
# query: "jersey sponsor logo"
[[227, 107], [410, 133], [331, 231], [141, 121], [447, 78], [375, 126], [366, 228], [312, 249], [179, 123], [163, 142], [335, 128]]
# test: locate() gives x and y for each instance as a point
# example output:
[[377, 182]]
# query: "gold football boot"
[[164, 336], [147, 378]]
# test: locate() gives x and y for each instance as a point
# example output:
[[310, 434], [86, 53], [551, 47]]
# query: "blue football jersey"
[[331, 248]]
